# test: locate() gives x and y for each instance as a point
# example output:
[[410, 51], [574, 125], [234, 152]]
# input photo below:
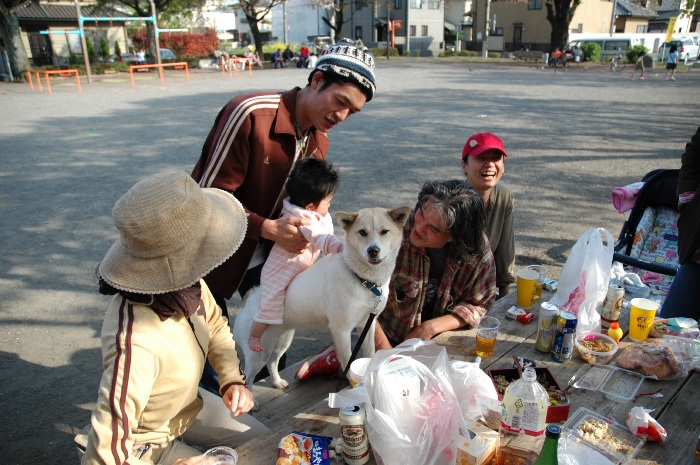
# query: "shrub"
[[494, 54], [591, 52], [447, 53], [633, 53], [467, 53], [117, 48], [184, 45], [381, 52], [104, 48], [90, 48]]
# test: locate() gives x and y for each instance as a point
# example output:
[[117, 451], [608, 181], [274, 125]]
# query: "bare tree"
[[19, 61], [255, 11], [559, 15], [334, 17]]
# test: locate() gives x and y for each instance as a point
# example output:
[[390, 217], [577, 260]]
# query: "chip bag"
[[643, 425]]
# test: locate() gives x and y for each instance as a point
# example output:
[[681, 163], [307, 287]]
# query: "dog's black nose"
[[373, 251]]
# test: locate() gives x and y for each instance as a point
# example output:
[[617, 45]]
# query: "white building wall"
[[303, 20]]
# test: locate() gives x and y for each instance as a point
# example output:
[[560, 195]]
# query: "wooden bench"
[[527, 56]]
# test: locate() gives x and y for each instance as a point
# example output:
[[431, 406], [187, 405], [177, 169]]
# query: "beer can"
[[563, 345], [354, 434], [612, 305], [546, 324]]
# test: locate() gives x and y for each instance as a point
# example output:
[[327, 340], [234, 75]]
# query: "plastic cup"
[[486, 334], [542, 272], [642, 312], [527, 280], [220, 456], [357, 371]]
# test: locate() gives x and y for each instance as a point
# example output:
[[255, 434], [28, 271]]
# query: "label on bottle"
[[522, 415]]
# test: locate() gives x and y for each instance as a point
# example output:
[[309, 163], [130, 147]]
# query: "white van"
[[611, 43]]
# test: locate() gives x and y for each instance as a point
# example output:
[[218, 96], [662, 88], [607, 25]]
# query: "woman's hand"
[[196, 460], [238, 399]]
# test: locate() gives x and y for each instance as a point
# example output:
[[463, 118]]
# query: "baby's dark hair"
[[310, 181]]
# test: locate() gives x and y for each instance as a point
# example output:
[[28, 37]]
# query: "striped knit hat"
[[349, 62]]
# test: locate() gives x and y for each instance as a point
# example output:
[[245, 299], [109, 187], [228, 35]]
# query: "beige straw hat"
[[171, 234]]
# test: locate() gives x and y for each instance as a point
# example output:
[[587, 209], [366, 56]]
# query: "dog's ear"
[[345, 219], [399, 215]]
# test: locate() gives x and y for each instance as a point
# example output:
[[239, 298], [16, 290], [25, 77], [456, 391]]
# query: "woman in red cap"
[[483, 162]]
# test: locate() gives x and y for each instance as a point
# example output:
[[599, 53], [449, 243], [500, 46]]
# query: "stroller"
[[648, 242]]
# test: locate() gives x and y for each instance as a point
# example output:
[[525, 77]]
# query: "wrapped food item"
[[684, 327], [304, 449], [666, 358], [643, 425]]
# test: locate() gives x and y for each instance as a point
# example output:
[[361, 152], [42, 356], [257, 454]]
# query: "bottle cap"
[[553, 431]]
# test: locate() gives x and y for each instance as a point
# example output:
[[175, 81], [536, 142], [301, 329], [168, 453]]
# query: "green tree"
[[90, 48], [104, 48], [559, 15], [19, 61], [117, 48]]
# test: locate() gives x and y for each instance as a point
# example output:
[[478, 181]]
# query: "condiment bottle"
[[548, 455], [615, 332], [523, 416]]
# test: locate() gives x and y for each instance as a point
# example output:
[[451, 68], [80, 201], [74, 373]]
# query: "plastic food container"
[[609, 438], [593, 356], [357, 370], [615, 383]]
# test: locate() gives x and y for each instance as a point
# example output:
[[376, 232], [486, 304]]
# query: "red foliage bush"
[[183, 44]]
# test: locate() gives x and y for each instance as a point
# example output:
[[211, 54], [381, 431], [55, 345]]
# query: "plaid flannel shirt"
[[467, 288]]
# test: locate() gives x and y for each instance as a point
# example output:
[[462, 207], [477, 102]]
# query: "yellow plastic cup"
[[527, 280], [642, 312]]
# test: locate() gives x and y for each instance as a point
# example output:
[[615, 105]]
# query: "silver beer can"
[[354, 434], [563, 346], [546, 325], [612, 305]]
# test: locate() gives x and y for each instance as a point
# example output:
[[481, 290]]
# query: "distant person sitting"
[[288, 54], [312, 60], [252, 57], [556, 55], [304, 56], [277, 60]]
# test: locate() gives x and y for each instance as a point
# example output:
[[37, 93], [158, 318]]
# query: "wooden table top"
[[304, 406]]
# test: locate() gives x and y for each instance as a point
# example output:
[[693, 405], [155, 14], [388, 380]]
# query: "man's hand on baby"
[[285, 232]]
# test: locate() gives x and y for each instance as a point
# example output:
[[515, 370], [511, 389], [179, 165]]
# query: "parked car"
[[688, 49], [167, 54], [126, 58]]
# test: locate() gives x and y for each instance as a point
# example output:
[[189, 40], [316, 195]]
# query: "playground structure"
[[232, 65], [160, 70], [61, 72]]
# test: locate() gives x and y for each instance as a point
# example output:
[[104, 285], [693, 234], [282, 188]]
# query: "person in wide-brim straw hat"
[[163, 323]]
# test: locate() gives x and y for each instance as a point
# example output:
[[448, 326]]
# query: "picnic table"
[[304, 407]]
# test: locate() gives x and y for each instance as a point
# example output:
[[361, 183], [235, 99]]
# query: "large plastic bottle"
[[523, 423]]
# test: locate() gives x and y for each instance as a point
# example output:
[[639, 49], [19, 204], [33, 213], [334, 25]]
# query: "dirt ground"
[[571, 137]]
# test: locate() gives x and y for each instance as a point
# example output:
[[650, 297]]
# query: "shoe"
[[673, 79], [641, 77], [323, 363]]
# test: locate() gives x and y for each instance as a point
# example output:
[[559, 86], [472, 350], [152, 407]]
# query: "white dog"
[[331, 293]]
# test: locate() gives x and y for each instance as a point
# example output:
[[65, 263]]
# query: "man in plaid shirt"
[[445, 275]]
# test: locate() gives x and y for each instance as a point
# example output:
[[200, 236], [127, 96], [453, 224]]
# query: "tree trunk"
[[19, 61], [257, 38], [559, 15], [151, 28]]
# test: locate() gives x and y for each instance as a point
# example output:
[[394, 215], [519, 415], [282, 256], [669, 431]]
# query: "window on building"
[[433, 4], [359, 4], [424, 31], [397, 4], [413, 30], [358, 32], [534, 4], [416, 4], [642, 28]]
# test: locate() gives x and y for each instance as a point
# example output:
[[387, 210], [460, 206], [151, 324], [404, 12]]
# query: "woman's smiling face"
[[484, 170]]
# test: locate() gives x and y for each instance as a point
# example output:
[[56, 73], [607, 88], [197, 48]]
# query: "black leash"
[[377, 291]]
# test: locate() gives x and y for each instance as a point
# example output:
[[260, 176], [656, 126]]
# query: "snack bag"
[[303, 449], [683, 327], [641, 424]]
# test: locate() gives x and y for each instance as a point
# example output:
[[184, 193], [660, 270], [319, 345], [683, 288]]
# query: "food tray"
[[555, 413], [613, 440], [615, 383]]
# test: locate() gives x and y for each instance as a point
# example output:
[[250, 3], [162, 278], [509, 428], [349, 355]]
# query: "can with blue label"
[[563, 346]]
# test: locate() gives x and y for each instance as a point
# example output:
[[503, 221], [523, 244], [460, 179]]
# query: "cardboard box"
[[479, 447], [555, 413]]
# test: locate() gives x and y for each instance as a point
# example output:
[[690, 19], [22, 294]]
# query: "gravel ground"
[[571, 136]]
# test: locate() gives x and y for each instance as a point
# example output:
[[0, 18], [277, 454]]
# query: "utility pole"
[[485, 38], [284, 13], [612, 19]]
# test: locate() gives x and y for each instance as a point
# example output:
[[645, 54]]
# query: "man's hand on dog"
[[285, 232]]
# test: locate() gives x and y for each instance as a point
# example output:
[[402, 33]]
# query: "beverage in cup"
[[527, 280], [542, 272], [486, 334], [642, 312]]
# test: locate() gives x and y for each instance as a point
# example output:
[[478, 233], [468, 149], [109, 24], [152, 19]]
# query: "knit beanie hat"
[[349, 62]]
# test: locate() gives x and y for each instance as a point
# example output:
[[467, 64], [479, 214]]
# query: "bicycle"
[[619, 62]]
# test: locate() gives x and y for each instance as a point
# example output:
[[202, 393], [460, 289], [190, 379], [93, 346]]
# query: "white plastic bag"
[[412, 412], [471, 383], [584, 279]]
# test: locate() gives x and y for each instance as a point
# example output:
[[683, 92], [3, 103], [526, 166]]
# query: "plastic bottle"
[[548, 455], [523, 418], [615, 331]]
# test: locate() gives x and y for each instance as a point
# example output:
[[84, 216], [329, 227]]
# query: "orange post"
[[29, 79], [63, 72], [160, 67], [38, 81]]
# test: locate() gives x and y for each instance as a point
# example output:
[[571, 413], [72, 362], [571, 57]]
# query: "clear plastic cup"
[[220, 456]]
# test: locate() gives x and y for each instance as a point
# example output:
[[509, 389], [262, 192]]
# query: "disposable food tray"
[[618, 444], [615, 383]]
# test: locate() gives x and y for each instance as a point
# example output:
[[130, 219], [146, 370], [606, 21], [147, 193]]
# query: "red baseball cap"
[[480, 143]]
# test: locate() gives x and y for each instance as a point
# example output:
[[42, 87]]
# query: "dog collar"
[[373, 288]]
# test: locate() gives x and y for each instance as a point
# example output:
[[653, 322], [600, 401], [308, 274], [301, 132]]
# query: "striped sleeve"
[[123, 394], [230, 139]]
